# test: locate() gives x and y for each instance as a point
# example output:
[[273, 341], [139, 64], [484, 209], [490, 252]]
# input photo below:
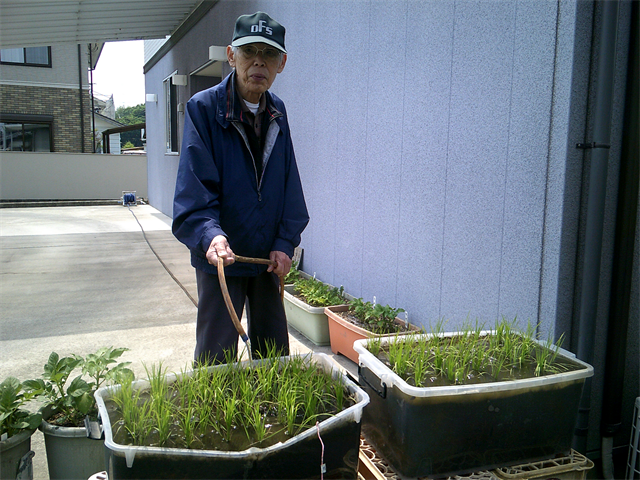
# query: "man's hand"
[[220, 248], [283, 263]]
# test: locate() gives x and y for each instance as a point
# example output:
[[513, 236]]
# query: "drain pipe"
[[599, 148], [93, 107], [81, 102], [623, 252]]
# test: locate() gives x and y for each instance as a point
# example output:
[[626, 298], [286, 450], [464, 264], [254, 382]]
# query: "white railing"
[[70, 176]]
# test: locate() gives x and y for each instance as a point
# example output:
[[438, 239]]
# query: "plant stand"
[[574, 466]]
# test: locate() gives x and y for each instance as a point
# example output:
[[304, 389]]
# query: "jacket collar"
[[230, 109]]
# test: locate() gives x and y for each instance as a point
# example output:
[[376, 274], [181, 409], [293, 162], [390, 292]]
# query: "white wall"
[[70, 176]]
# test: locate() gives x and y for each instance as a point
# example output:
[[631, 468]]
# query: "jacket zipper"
[[255, 170]]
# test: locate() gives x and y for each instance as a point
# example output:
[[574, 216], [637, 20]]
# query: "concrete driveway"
[[77, 278]]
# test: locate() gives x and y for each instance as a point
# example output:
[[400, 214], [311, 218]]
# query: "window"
[[26, 133], [171, 101], [29, 56]]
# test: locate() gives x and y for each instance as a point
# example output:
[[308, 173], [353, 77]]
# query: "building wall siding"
[[436, 145]]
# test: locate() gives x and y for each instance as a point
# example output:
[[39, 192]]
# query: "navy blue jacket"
[[218, 191]]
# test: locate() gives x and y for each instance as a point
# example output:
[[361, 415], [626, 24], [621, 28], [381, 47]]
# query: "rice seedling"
[[469, 355], [230, 412], [256, 426], [546, 356], [374, 344], [206, 407], [400, 351], [136, 413], [339, 393], [288, 406]]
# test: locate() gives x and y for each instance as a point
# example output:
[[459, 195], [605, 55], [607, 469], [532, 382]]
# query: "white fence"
[[70, 176]]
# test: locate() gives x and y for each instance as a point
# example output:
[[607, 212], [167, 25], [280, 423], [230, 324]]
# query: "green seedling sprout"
[[400, 351], [469, 354], [227, 399]]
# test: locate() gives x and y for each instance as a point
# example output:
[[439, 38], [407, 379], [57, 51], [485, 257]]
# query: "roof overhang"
[[33, 23]]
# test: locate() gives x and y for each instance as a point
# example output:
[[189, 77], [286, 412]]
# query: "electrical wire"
[[161, 262], [323, 467]]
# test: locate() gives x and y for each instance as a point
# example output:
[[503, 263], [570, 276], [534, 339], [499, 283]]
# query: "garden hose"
[[227, 297], [262, 261]]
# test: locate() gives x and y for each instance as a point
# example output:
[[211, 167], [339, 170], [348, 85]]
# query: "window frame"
[[171, 116], [25, 63], [30, 120]]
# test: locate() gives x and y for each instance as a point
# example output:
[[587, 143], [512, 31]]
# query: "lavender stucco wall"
[[436, 144]]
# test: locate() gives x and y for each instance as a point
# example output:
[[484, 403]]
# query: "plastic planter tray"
[[309, 321], [451, 430], [298, 457]]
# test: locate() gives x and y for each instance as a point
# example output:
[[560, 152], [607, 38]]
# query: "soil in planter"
[[469, 358], [210, 410]]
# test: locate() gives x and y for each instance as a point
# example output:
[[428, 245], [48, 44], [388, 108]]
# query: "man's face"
[[255, 72]]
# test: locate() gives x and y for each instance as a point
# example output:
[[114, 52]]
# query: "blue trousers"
[[266, 320]]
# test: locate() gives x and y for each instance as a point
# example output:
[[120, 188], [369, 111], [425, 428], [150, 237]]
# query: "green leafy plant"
[[14, 417], [377, 318], [293, 273], [72, 400], [318, 294]]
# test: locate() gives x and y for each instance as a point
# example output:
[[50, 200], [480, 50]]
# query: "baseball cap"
[[258, 28]]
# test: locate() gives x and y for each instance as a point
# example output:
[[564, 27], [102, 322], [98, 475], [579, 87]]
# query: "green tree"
[[131, 116]]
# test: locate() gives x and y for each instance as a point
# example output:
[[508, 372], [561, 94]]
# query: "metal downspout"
[[599, 147], [623, 254], [81, 102], [93, 108]]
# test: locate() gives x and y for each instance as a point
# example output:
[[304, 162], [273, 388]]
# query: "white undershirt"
[[253, 107]]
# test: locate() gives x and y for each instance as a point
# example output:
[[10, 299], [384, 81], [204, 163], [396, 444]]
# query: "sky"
[[119, 73]]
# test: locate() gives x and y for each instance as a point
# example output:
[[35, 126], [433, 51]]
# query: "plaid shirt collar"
[[235, 110]]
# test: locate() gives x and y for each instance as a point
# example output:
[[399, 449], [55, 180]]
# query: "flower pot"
[[16, 455], [298, 457], [70, 453], [343, 333], [457, 429], [309, 321]]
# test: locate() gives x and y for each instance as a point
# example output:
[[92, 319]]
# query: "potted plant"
[[72, 433], [17, 424], [445, 404], [359, 320], [305, 299], [282, 417]]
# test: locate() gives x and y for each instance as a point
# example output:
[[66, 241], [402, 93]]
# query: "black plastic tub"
[[453, 430], [298, 457]]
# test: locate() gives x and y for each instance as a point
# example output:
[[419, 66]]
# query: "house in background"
[[45, 99], [447, 155], [104, 118]]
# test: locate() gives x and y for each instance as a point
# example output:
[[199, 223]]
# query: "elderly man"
[[238, 192]]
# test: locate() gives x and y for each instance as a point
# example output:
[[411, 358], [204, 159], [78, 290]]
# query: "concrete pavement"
[[74, 279]]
